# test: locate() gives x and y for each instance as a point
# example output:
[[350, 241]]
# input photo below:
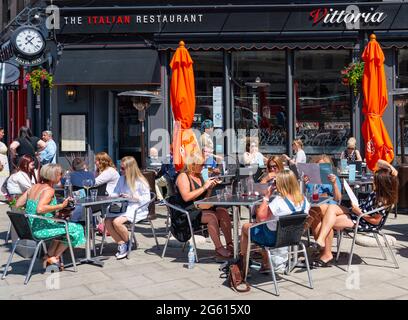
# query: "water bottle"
[[191, 257], [67, 187]]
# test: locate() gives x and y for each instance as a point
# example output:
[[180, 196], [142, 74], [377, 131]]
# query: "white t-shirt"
[[19, 182], [279, 207], [109, 176], [300, 156]]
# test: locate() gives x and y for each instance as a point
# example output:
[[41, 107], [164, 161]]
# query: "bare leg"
[[210, 219], [328, 222], [60, 250], [109, 226], [53, 247], [326, 253], [121, 230], [225, 224]]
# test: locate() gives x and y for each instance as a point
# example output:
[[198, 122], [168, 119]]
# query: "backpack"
[[179, 227]]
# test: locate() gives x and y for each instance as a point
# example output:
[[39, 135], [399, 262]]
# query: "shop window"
[[209, 79], [402, 69], [259, 104], [401, 105], [323, 104]]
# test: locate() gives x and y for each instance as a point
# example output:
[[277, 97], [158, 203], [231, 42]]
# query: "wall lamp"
[[71, 93]]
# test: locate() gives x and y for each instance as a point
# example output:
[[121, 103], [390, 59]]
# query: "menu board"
[[73, 132]]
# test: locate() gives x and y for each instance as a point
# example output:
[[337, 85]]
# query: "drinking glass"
[[87, 183], [94, 193], [228, 191], [219, 194], [240, 189]]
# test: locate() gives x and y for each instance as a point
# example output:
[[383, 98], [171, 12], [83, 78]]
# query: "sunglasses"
[[274, 167]]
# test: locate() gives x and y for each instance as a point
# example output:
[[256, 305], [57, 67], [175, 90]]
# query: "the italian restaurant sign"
[[235, 19]]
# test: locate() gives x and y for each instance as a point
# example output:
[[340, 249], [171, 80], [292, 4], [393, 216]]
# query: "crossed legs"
[[117, 229]]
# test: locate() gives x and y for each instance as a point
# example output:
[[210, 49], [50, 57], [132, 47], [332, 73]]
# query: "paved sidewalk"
[[146, 276]]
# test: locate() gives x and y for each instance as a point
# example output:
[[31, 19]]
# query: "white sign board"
[[217, 107], [73, 133]]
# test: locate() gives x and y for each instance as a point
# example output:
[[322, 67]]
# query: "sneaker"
[[116, 254], [122, 251]]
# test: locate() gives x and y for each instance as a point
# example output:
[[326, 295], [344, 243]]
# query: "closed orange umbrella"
[[182, 98], [377, 141]]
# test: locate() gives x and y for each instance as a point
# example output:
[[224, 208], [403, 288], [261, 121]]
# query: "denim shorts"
[[263, 236]]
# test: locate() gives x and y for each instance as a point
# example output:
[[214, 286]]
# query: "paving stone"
[[375, 292], [115, 295], [68, 294], [169, 287], [113, 285]]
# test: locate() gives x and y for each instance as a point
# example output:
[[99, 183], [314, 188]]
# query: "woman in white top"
[[289, 201], [300, 155], [106, 172], [133, 185], [24, 178], [4, 165], [252, 156]]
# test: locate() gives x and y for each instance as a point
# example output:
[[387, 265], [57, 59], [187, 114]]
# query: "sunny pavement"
[[145, 275]]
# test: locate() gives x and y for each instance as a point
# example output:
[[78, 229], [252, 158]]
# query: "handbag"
[[232, 270], [118, 207]]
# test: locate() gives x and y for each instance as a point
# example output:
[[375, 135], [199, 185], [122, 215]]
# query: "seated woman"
[[385, 193], [40, 200], [191, 187], [351, 153], [134, 186], [289, 200], [252, 156], [105, 172], [274, 165], [24, 178]]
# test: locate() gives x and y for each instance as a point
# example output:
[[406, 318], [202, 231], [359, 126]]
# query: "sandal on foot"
[[322, 264], [230, 247]]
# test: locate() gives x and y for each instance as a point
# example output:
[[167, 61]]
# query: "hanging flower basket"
[[352, 75], [37, 77]]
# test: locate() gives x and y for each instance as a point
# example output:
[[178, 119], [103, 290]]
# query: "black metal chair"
[[374, 231], [175, 208], [21, 223], [131, 226], [289, 232]]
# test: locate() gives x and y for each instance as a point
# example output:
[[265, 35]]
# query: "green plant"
[[37, 77], [352, 75]]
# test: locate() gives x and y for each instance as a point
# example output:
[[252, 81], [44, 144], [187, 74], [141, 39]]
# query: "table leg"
[[235, 212], [88, 258]]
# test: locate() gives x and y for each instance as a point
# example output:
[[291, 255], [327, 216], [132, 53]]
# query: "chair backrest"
[[179, 225], [388, 209], [101, 189], [151, 179], [290, 229], [21, 224], [152, 213]]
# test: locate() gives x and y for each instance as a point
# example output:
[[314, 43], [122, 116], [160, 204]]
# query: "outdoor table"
[[235, 202], [86, 204]]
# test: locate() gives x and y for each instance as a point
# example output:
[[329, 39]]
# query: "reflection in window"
[[401, 104], [402, 79], [208, 72], [259, 86], [323, 106]]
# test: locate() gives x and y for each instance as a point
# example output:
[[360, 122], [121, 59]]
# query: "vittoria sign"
[[351, 15]]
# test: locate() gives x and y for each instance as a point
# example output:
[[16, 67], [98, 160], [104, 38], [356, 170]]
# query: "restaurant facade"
[[263, 69]]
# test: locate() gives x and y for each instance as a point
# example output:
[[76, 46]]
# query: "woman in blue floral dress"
[[40, 200]]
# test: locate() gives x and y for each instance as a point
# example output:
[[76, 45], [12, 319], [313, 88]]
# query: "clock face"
[[29, 41]]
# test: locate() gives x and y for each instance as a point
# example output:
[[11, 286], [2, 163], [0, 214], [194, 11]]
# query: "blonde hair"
[[351, 143], [104, 161], [50, 172], [287, 184], [323, 157], [191, 161], [299, 143], [132, 173], [277, 160]]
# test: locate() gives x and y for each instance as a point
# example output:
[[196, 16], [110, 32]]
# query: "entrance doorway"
[[129, 129]]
